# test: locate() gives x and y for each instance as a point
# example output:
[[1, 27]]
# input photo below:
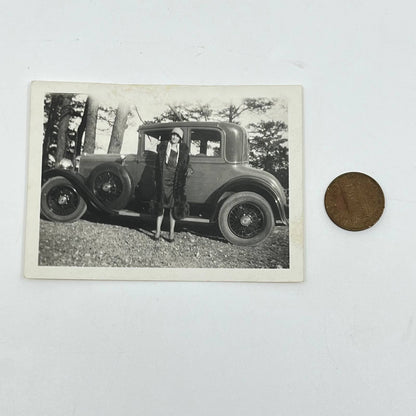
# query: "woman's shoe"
[[156, 237], [171, 239]]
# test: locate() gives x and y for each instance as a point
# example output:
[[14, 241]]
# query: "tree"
[[62, 137], [91, 111], [120, 125], [51, 109], [232, 112], [185, 112], [106, 117], [173, 113], [267, 149], [81, 130], [200, 112], [62, 113], [204, 112]]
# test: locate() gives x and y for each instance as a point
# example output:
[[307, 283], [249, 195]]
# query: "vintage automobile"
[[221, 187]]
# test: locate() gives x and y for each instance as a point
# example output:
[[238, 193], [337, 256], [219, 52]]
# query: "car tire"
[[111, 184], [60, 201], [246, 219]]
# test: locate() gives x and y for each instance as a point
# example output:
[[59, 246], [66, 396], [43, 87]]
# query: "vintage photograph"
[[148, 182]]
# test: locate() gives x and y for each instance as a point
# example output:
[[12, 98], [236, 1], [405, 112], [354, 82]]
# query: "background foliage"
[[72, 121]]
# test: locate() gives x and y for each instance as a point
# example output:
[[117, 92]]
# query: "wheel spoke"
[[107, 186], [246, 220], [62, 200]]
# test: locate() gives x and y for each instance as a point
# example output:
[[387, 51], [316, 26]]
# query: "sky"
[[151, 101]]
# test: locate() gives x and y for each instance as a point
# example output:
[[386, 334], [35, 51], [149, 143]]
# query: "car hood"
[[88, 162], [107, 157]]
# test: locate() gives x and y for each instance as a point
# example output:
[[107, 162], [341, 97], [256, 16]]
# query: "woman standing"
[[171, 170]]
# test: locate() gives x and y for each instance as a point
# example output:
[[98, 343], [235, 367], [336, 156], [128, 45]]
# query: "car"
[[221, 187]]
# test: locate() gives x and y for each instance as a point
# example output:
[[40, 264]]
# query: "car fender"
[[81, 187], [246, 183]]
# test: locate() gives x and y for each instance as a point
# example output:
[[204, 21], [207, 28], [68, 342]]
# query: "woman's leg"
[[159, 225], [172, 225]]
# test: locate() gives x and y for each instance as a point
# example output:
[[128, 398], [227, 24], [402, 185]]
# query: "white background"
[[341, 343]]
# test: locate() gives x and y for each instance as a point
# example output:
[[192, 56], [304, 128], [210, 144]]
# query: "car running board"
[[128, 213]]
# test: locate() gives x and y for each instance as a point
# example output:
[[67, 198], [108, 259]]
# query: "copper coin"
[[354, 201]]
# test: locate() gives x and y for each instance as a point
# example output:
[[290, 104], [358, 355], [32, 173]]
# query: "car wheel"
[[111, 184], [60, 201], [246, 219]]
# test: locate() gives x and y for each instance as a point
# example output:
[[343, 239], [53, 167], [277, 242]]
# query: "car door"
[[206, 149], [147, 152]]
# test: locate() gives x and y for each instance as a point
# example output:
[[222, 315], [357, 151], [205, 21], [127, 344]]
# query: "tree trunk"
[[53, 111], [66, 113], [268, 163], [230, 114], [91, 125], [120, 125], [81, 130]]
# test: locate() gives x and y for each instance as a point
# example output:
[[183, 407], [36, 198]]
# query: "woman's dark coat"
[[180, 206]]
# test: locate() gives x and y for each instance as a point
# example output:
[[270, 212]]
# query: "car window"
[[150, 143], [153, 137], [205, 142]]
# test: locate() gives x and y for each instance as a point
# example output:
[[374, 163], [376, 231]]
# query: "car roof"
[[220, 124], [236, 136]]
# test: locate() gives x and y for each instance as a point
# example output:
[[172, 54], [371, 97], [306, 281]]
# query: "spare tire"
[[111, 184]]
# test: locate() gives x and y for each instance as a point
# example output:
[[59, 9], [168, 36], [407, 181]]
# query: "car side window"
[[150, 143], [205, 142], [153, 137]]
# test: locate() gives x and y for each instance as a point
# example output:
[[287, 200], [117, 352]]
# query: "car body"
[[221, 186]]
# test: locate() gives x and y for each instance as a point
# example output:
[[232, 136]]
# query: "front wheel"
[[60, 201], [246, 219]]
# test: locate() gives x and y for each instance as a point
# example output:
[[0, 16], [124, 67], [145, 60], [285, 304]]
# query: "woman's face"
[[174, 138]]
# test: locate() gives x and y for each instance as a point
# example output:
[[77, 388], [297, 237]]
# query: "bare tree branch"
[[138, 114]]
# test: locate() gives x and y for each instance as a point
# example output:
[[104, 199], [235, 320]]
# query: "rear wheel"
[[246, 219], [60, 201]]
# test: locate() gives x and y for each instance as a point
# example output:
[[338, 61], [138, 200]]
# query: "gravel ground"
[[129, 243]]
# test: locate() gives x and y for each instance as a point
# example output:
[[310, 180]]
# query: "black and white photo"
[[165, 182]]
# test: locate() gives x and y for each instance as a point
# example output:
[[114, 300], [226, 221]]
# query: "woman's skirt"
[[168, 180]]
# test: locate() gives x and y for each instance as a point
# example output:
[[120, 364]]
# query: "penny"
[[354, 201]]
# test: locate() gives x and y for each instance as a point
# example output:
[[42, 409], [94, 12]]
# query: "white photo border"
[[294, 273]]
